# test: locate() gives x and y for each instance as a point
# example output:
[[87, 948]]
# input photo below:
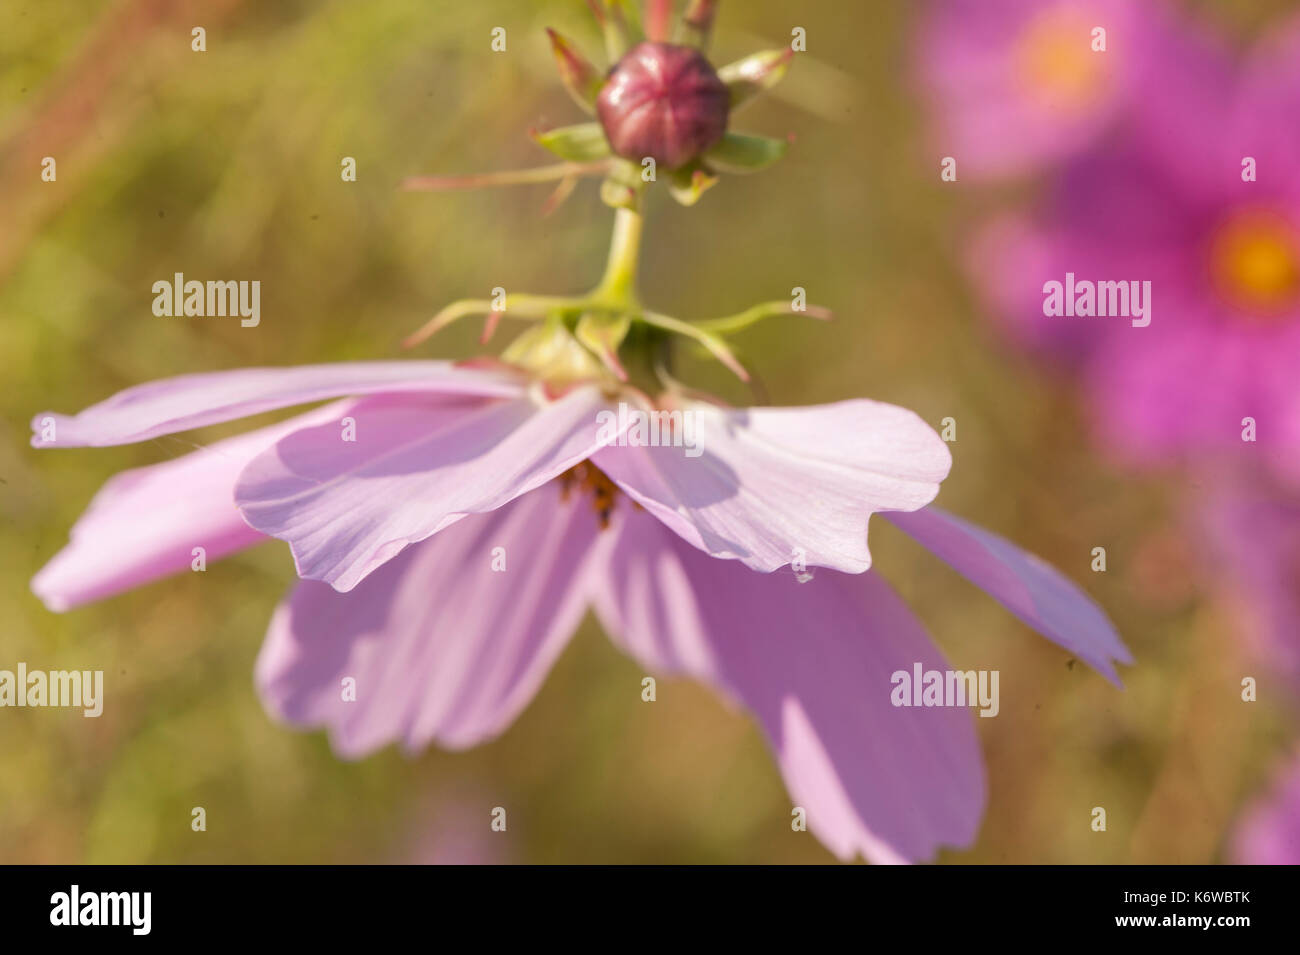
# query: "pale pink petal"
[[418, 464], [192, 401], [441, 646], [813, 662], [773, 486], [145, 523], [1030, 588]]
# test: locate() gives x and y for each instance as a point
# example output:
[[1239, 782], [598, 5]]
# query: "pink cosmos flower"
[[1016, 84], [1200, 197], [437, 513], [1197, 196], [1270, 832], [396, 535]]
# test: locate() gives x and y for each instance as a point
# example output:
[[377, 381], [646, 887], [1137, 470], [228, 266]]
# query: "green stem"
[[618, 286], [514, 177]]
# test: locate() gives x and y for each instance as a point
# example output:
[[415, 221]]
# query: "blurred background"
[[226, 164]]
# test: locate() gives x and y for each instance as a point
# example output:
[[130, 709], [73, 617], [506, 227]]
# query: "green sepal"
[[739, 153], [689, 183], [582, 80], [621, 189], [585, 142], [755, 74], [603, 335], [621, 24]]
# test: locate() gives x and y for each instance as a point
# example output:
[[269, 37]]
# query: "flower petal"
[[813, 662], [192, 401], [1030, 588], [774, 484], [145, 523], [441, 645], [418, 464]]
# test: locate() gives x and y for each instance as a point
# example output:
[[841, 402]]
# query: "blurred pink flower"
[[1252, 535], [454, 829], [1173, 202], [1270, 831], [1016, 84], [457, 469]]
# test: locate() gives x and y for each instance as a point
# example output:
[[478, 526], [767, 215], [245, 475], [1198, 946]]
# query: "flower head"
[[448, 549], [1199, 201], [448, 554], [1018, 84]]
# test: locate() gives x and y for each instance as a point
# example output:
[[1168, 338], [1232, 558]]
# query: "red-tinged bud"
[[663, 101], [581, 79], [698, 18]]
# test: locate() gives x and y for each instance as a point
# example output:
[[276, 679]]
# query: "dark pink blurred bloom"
[[397, 533], [1165, 203], [1270, 832], [1016, 84]]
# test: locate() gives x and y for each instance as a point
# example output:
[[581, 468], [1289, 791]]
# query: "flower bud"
[[663, 101]]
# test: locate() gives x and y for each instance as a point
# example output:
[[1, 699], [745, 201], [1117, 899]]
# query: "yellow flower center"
[[1057, 62], [588, 479], [1255, 263]]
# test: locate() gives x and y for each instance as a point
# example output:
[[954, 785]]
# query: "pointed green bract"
[[582, 143], [739, 153], [581, 79], [688, 184], [620, 24], [757, 313], [755, 74], [711, 343]]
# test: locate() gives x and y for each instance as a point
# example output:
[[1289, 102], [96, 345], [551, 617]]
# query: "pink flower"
[[449, 551], [1016, 84], [1200, 198], [1270, 834]]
